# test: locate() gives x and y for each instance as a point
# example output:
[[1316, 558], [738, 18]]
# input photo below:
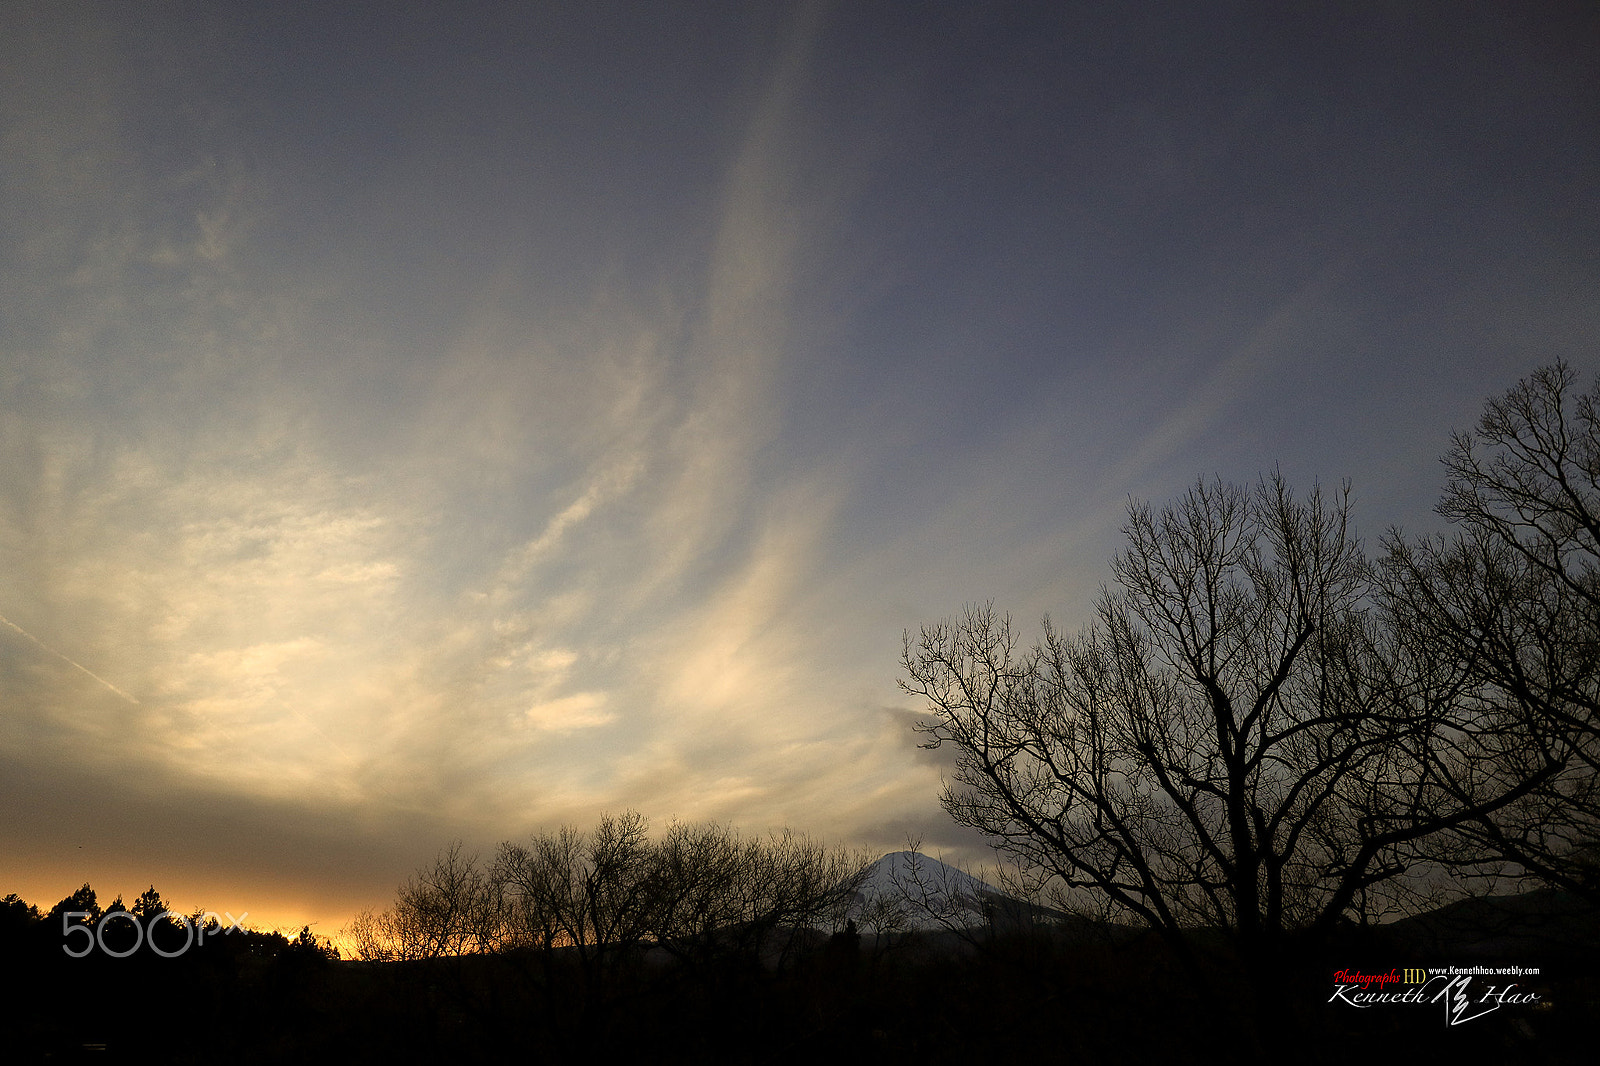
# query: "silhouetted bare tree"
[[594, 894], [445, 909], [723, 894], [1233, 744], [599, 896], [1512, 603]]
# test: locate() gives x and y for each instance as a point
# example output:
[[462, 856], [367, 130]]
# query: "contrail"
[[64, 659]]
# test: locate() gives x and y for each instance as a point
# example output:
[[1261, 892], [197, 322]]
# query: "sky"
[[425, 422]]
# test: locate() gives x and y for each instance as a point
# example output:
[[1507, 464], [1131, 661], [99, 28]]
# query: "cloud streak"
[[70, 662]]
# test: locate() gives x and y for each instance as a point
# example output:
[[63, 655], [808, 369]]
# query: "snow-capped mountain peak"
[[908, 890]]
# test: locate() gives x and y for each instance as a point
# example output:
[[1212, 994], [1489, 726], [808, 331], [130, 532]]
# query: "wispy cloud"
[[572, 570]]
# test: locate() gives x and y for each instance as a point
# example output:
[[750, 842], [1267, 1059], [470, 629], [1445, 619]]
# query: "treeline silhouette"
[[698, 893], [139, 983], [705, 946]]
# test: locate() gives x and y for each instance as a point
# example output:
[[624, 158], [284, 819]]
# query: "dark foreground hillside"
[[918, 998]]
